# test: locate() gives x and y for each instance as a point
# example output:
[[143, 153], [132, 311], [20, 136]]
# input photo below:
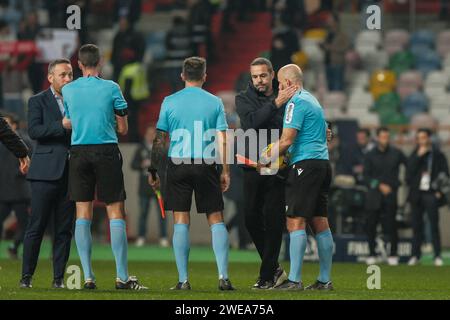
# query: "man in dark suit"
[[48, 176]]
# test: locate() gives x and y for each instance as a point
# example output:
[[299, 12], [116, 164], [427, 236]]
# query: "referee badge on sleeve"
[[289, 112]]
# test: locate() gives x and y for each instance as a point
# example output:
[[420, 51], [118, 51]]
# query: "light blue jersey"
[[89, 103], [191, 117], [304, 113]]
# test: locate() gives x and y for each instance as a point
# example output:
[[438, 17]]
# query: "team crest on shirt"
[[289, 112]]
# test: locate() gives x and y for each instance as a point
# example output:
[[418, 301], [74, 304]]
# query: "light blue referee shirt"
[[305, 114], [90, 103], [191, 117]]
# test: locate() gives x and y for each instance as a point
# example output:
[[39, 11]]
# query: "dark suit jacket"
[[53, 141], [11, 140]]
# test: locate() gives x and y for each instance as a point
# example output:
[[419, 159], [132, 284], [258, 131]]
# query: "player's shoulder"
[[108, 83]]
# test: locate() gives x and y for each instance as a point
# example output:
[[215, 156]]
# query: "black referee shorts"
[[201, 179], [307, 188], [94, 167]]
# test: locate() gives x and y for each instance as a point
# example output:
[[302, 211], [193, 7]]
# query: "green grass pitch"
[[156, 269]]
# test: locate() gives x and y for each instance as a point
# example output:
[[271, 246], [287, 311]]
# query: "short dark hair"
[[54, 63], [365, 131], [194, 68], [382, 129], [425, 130], [262, 62], [89, 55]]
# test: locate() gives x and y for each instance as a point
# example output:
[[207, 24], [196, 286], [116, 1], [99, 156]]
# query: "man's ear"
[[204, 77], [80, 65], [182, 77], [50, 78]]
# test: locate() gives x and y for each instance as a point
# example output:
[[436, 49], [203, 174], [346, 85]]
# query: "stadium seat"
[[427, 62], [390, 115], [401, 61], [411, 78], [155, 42], [360, 100], [437, 79], [443, 43], [419, 50], [423, 120], [368, 38], [300, 58], [359, 79], [413, 104], [434, 91], [352, 59], [317, 34], [370, 119], [381, 82], [446, 64], [335, 100], [388, 101], [440, 101], [438, 113], [315, 55], [422, 37], [395, 41]]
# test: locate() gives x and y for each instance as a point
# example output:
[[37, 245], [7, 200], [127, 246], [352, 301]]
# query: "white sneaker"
[[427, 248], [140, 242], [392, 261], [413, 261], [438, 262], [371, 260], [163, 242]]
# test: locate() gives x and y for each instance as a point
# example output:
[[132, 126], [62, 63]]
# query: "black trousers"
[[386, 214], [265, 218], [21, 210], [428, 202], [49, 200]]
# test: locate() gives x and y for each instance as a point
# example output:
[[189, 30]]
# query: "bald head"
[[290, 74]]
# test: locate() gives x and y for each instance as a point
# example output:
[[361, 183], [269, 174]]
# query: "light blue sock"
[[297, 251], [220, 245], [181, 249], [119, 245], [83, 240], [325, 248]]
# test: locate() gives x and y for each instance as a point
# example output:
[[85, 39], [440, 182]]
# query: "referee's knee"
[[295, 224]]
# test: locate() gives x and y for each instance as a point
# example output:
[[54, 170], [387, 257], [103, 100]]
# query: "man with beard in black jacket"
[[426, 165], [261, 107]]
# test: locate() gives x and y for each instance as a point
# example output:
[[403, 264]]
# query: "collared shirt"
[[59, 100]]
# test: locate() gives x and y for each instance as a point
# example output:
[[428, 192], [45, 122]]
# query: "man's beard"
[[262, 88]]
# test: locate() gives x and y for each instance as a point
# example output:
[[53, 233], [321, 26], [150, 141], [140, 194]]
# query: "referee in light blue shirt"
[[186, 116], [97, 110], [308, 183]]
